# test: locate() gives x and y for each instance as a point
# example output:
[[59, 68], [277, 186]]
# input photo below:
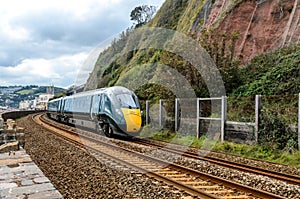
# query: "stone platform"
[[21, 178]]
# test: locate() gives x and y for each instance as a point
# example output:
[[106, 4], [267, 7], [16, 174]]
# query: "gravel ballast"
[[77, 174]]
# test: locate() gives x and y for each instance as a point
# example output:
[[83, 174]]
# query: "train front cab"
[[122, 110], [131, 110]]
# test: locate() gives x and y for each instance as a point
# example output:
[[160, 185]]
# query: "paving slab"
[[27, 182], [21, 178], [41, 180]]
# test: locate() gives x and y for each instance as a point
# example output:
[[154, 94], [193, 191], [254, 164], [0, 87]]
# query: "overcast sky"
[[45, 42]]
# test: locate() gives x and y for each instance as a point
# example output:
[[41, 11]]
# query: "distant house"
[[42, 101], [25, 105]]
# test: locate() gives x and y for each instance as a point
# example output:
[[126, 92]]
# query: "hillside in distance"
[[233, 32], [11, 96]]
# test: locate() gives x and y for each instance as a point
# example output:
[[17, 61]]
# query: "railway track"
[[191, 181], [294, 179]]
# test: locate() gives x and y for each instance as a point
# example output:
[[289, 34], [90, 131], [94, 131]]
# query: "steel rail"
[[234, 165]]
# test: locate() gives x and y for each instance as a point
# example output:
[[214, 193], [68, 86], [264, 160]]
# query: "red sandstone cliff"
[[263, 25]]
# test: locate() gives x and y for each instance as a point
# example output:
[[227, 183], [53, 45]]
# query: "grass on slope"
[[25, 92]]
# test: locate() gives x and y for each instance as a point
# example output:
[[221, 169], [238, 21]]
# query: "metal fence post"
[[299, 122], [147, 112], [223, 117], [160, 113], [257, 115], [176, 114], [198, 117]]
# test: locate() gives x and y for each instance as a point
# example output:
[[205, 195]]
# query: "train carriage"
[[108, 110]]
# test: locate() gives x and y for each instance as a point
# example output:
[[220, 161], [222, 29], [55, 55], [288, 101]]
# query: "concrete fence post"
[[223, 117], [160, 113], [299, 122], [198, 117], [147, 112], [257, 115], [176, 114]]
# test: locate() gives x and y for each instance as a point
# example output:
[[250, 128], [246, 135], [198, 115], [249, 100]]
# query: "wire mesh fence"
[[251, 118]]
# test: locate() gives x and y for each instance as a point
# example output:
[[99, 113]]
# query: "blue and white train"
[[107, 110]]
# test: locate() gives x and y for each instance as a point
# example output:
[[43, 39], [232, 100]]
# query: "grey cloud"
[[54, 33], [53, 25]]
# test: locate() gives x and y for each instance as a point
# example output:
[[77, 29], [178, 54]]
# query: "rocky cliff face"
[[263, 25]]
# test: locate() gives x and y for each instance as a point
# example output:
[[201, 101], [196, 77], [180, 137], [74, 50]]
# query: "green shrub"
[[274, 133]]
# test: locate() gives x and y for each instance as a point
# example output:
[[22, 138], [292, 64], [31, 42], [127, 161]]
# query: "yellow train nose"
[[133, 119]]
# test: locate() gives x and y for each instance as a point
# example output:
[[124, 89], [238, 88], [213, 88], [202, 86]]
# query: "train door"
[[61, 110], [107, 105], [63, 106], [95, 106], [58, 110], [101, 105], [105, 113]]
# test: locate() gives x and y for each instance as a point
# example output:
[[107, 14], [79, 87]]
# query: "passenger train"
[[113, 110]]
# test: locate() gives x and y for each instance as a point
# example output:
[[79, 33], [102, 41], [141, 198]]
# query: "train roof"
[[108, 90], [56, 99]]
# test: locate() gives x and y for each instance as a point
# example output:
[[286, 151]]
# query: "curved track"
[[191, 181]]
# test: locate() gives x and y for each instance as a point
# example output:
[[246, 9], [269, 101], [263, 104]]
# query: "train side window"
[[68, 106]]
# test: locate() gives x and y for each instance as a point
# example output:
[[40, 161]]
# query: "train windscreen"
[[127, 101]]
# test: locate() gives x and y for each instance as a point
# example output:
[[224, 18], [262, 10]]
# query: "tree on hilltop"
[[142, 14]]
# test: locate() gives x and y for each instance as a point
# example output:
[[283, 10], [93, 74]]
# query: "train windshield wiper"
[[124, 104]]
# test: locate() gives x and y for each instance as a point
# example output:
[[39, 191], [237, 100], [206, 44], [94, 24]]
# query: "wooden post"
[[147, 112], [223, 117], [160, 113], [257, 115], [198, 117], [176, 114], [299, 122]]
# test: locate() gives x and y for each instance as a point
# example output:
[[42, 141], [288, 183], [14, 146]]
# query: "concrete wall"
[[240, 132], [18, 114]]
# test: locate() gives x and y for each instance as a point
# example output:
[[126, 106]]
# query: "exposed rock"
[[1, 123], [262, 25], [12, 146], [11, 133]]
